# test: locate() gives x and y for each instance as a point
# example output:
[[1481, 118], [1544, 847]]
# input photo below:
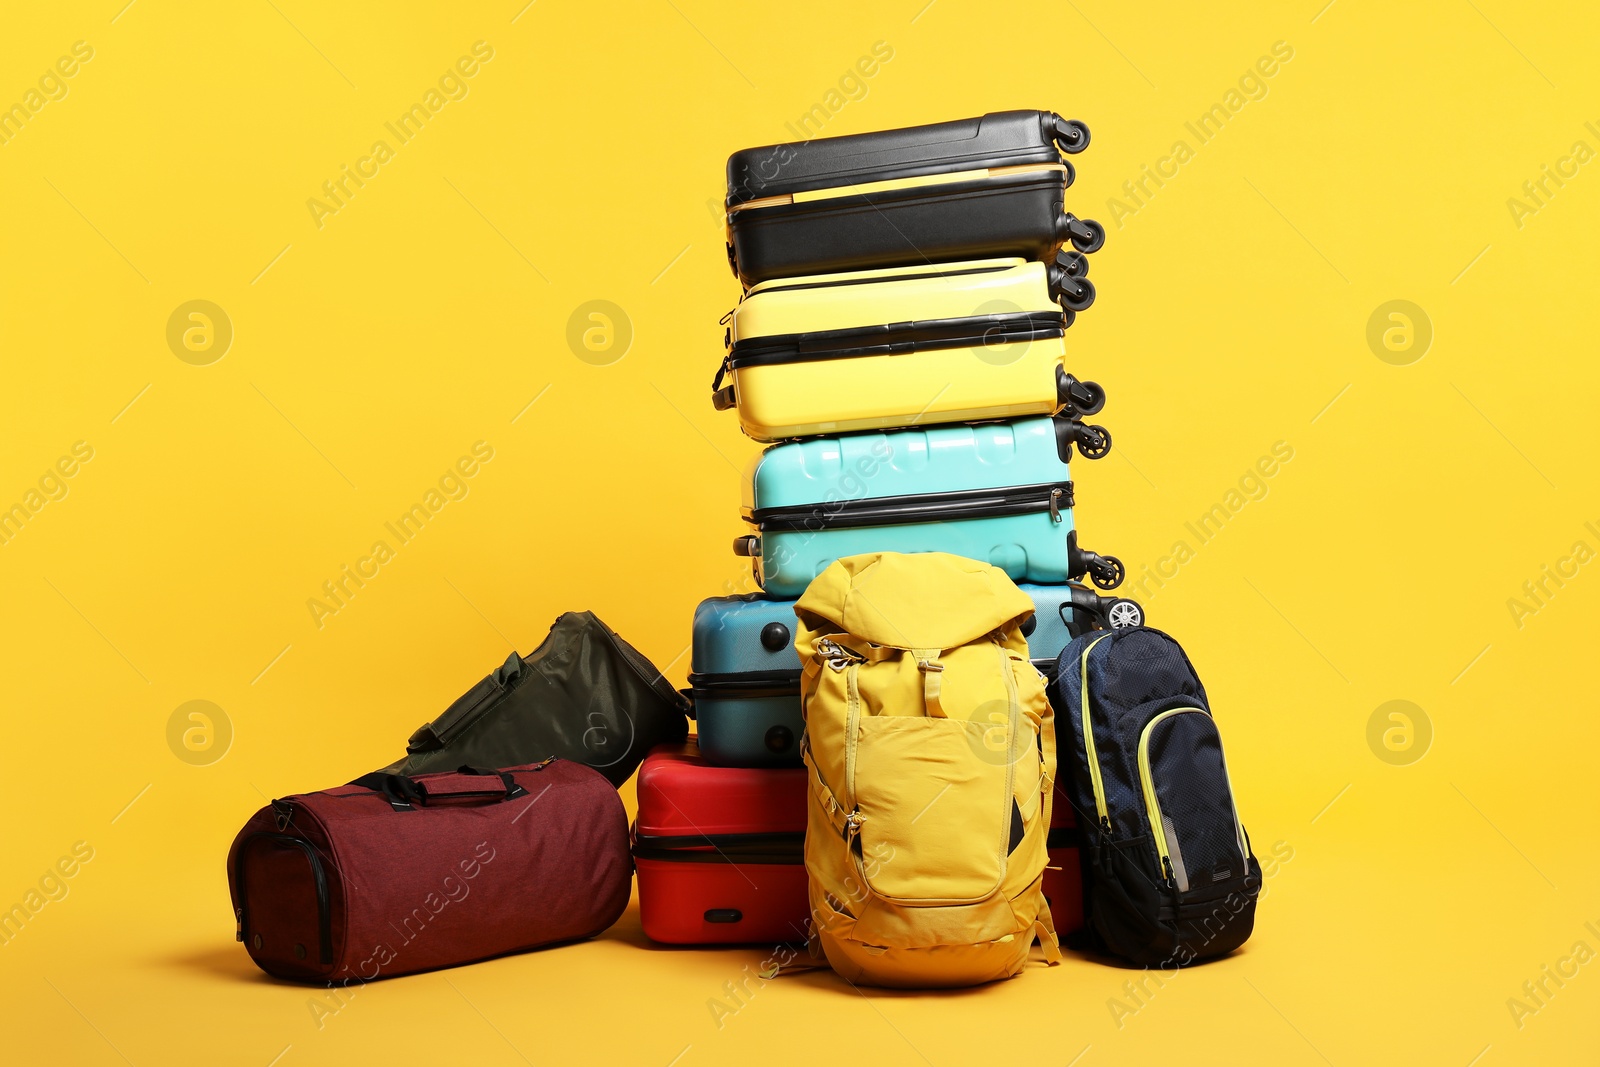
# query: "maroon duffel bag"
[[390, 875]]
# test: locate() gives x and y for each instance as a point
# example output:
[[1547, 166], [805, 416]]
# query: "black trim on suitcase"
[[896, 338], [922, 507], [746, 684], [775, 848]]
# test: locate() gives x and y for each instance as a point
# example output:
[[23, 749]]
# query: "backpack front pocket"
[[933, 811], [1189, 801]]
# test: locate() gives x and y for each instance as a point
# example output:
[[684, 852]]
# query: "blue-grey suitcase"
[[745, 674], [1000, 492], [744, 677]]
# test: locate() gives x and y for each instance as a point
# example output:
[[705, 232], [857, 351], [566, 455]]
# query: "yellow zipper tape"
[[1152, 803], [1088, 736]]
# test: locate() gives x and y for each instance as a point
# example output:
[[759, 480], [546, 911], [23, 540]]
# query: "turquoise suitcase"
[[745, 674], [1000, 492]]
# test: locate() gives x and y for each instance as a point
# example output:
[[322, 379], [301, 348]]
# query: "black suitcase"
[[973, 189]]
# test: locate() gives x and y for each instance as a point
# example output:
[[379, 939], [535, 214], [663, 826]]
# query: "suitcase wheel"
[[1070, 175], [1122, 614], [1086, 398], [1107, 572], [1071, 136], [1076, 294], [1094, 442], [1086, 235]]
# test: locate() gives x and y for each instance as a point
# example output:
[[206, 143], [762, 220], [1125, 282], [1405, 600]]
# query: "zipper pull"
[[852, 826], [1166, 865], [1105, 825], [238, 930], [1055, 504], [283, 811]]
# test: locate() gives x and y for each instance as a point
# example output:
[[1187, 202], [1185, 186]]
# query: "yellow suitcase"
[[908, 346]]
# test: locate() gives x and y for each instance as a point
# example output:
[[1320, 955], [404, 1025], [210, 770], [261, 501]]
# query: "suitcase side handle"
[[722, 397]]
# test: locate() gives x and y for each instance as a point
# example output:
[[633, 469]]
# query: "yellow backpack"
[[931, 747]]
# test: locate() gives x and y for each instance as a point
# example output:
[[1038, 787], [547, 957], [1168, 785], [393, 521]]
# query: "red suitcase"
[[1063, 887], [720, 851]]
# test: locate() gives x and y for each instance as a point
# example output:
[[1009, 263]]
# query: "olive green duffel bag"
[[585, 694]]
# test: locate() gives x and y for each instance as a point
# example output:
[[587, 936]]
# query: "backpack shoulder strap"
[[1047, 744]]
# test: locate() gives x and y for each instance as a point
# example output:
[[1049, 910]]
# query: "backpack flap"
[[921, 600]]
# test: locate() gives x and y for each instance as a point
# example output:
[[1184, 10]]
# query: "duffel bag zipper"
[[1095, 780], [1054, 497], [319, 880]]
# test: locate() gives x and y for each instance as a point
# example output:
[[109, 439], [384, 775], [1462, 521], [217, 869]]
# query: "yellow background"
[[585, 163]]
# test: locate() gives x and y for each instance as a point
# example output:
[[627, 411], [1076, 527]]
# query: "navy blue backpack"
[[1169, 878]]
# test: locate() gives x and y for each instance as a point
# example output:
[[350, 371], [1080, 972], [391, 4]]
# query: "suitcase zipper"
[[746, 683], [776, 847], [897, 184], [1054, 497], [897, 338], [319, 880]]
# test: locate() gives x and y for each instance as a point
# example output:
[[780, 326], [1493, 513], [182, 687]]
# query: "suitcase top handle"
[[406, 794]]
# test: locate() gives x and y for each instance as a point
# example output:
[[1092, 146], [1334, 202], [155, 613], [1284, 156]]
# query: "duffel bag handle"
[[405, 793]]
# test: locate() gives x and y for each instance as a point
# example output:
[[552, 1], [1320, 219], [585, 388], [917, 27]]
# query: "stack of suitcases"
[[900, 348]]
